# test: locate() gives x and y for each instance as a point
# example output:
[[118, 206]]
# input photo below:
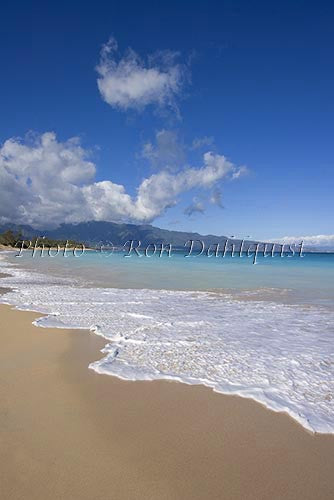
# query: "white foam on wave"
[[280, 355]]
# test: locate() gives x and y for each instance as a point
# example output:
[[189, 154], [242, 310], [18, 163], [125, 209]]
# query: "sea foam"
[[280, 355]]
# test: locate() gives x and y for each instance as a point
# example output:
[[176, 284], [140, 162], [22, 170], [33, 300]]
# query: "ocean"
[[263, 331]]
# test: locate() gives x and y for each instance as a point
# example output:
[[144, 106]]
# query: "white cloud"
[[321, 240], [160, 191], [46, 182], [41, 181], [129, 82]]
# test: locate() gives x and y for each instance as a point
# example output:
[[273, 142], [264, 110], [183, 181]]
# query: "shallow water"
[[264, 331]]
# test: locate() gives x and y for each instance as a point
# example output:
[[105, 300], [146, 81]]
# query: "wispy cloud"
[[129, 82], [168, 152], [216, 197], [196, 206], [46, 182], [200, 142], [321, 240]]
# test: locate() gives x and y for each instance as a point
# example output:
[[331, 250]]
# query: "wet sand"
[[68, 433]]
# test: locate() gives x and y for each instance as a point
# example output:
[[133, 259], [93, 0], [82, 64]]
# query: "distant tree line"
[[11, 239]]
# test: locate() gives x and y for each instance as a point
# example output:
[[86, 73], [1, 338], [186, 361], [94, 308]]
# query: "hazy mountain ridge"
[[93, 233]]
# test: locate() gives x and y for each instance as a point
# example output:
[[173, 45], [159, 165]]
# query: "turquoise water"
[[296, 279], [263, 331]]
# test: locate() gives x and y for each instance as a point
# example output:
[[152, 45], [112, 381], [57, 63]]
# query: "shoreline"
[[270, 405], [69, 432]]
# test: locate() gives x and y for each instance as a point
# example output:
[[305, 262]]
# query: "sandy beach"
[[166, 251], [69, 433]]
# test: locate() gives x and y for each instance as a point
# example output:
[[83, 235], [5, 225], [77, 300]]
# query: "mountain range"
[[96, 232]]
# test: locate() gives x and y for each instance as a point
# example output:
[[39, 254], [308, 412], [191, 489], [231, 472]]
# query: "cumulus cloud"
[[45, 182], [42, 180], [160, 191], [321, 240], [130, 82]]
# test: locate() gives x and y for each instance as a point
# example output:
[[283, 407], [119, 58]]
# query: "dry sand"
[[68, 433]]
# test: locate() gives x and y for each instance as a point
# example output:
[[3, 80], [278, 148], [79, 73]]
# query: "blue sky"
[[252, 81]]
